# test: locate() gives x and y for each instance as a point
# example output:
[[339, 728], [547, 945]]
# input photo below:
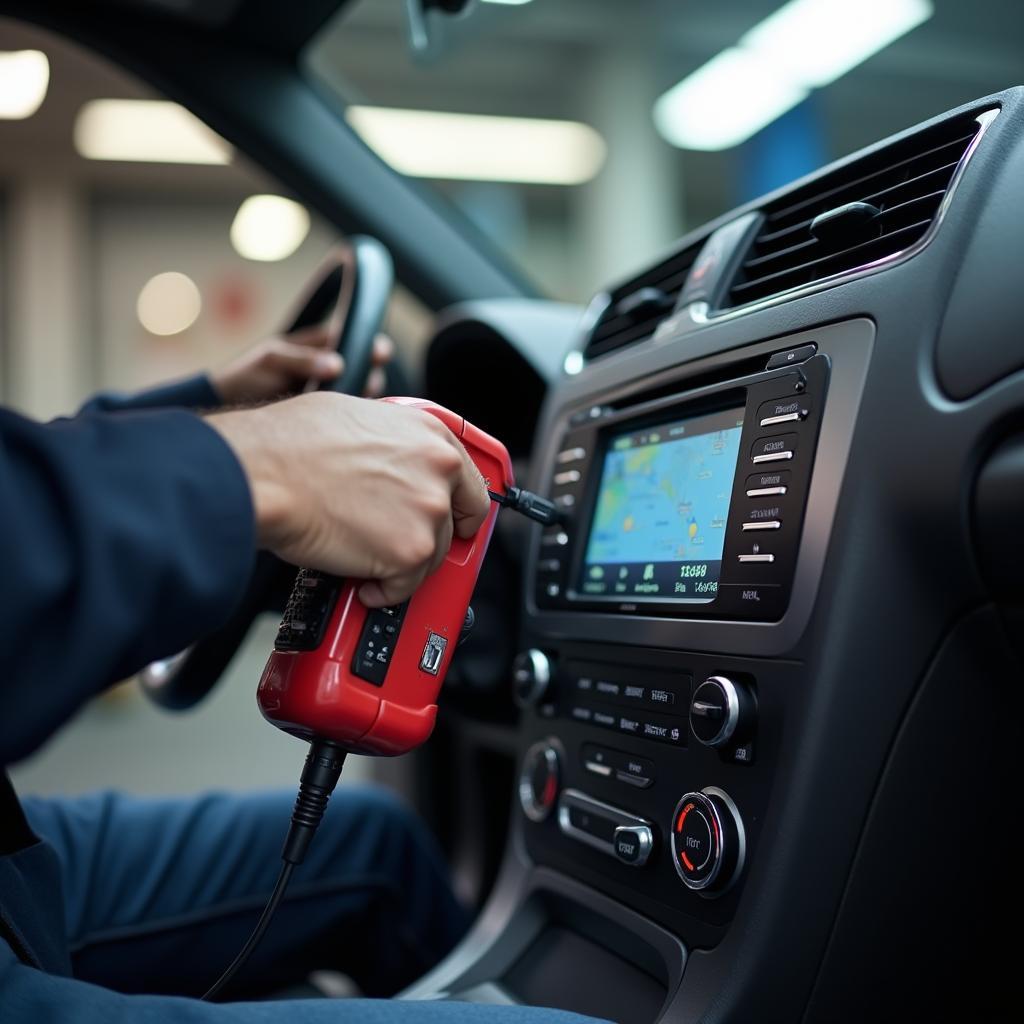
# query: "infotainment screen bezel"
[[749, 590]]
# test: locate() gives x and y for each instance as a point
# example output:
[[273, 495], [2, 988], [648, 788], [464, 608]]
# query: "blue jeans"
[[160, 894]]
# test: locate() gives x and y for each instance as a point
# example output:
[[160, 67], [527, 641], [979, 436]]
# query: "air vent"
[[637, 307], [866, 211]]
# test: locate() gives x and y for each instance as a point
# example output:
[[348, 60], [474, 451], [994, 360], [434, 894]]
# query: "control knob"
[[539, 780], [708, 842], [531, 677], [721, 711]]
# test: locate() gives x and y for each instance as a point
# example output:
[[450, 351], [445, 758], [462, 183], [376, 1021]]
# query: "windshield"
[[601, 130]]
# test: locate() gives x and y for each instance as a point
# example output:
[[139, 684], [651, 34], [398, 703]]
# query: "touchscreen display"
[[658, 526]]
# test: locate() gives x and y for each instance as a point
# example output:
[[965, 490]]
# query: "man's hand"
[[369, 490], [282, 366]]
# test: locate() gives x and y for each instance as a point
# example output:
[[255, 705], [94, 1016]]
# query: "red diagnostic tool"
[[352, 679], [368, 679]]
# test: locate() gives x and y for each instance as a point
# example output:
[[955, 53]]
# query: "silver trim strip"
[[772, 457], [764, 492], [757, 558], [771, 421], [764, 524]]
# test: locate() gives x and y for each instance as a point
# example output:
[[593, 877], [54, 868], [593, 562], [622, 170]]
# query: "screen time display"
[[658, 526]]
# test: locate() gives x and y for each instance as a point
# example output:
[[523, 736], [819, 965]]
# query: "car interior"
[[699, 758]]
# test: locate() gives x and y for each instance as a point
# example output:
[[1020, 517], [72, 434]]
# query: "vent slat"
[[906, 181], [616, 330]]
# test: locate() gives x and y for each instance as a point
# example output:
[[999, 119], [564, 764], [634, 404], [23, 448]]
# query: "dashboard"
[[767, 669]]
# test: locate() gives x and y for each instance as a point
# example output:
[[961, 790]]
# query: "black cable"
[[320, 775], [257, 933]]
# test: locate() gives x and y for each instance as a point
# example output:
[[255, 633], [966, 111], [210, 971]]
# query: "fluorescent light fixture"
[[24, 77], [724, 102], [478, 147], [269, 228], [146, 131], [814, 42], [168, 304], [805, 44]]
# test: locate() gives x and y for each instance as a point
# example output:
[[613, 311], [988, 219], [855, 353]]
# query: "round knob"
[[531, 676], [708, 842], [538, 781], [719, 711]]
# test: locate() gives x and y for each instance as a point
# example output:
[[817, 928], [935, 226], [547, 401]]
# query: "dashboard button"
[[567, 476], [774, 457], [791, 356], [630, 726], [558, 539], [639, 781], [708, 841], [762, 524], [633, 844], [720, 709], [761, 558], [539, 780], [791, 409], [767, 482], [569, 455], [780, 446], [531, 677]]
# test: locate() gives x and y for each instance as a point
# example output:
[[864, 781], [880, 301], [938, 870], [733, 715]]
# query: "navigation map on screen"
[[658, 526]]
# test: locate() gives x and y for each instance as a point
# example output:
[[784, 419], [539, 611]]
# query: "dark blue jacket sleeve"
[[123, 538], [190, 393]]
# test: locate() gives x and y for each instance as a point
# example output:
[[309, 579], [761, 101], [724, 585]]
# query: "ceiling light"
[[724, 102], [477, 147], [147, 131], [805, 44], [168, 303], [814, 42], [269, 228], [24, 76]]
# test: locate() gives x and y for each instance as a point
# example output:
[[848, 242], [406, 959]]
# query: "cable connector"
[[320, 775], [533, 506]]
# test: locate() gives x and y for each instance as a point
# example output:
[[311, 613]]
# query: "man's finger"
[[470, 501], [383, 350], [380, 593], [300, 362], [313, 336]]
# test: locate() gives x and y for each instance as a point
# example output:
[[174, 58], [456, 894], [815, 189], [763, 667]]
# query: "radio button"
[[602, 718], [768, 482], [552, 590], [765, 559], [791, 356], [558, 539], [552, 564], [791, 409], [569, 455], [567, 476], [762, 524], [639, 781], [630, 726], [779, 457], [565, 500], [770, 449]]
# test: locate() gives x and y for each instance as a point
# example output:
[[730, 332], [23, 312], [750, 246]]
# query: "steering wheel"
[[349, 293]]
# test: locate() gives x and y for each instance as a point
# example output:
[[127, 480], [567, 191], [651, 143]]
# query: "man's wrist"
[[246, 434]]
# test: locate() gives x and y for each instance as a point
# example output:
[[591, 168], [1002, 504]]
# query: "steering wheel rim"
[[350, 291]]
